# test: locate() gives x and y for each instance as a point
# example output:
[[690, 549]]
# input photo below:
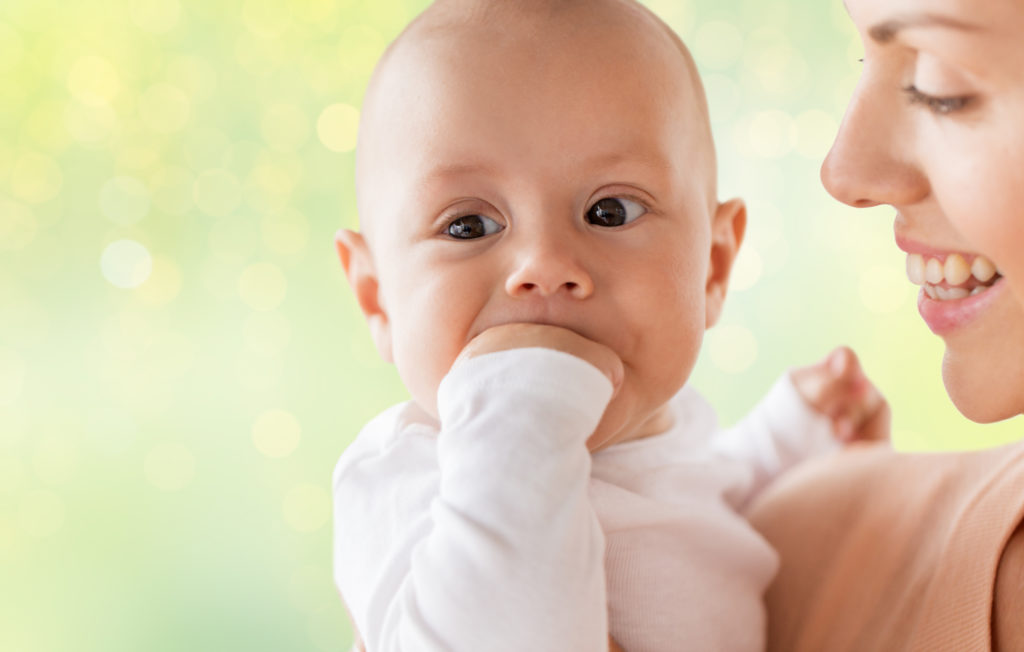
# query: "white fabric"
[[499, 531]]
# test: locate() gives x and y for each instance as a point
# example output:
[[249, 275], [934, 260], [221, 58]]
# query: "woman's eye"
[[614, 211], [469, 227], [940, 105]]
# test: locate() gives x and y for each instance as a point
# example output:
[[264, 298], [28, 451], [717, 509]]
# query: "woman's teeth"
[[952, 278]]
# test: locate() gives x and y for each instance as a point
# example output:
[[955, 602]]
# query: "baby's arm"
[[509, 555], [838, 388], [807, 413]]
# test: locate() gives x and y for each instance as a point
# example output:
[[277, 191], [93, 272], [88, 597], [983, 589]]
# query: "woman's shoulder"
[[905, 548]]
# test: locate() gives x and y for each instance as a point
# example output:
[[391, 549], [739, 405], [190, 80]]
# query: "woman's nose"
[[546, 268], [873, 158]]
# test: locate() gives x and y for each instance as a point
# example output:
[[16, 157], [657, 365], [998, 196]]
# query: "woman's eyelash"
[[940, 105]]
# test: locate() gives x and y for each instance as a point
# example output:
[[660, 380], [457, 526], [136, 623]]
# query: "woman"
[[884, 551]]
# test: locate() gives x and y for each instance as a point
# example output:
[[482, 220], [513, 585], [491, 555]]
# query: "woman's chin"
[[979, 394]]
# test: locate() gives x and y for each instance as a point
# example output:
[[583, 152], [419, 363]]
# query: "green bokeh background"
[[181, 362]]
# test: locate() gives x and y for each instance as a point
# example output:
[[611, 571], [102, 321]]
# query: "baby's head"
[[543, 161]]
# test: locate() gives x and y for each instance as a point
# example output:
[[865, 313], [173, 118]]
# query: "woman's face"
[[935, 129]]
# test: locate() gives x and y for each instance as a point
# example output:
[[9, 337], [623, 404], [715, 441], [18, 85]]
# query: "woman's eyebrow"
[[886, 31]]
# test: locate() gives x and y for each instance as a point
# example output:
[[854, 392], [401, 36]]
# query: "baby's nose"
[[548, 271]]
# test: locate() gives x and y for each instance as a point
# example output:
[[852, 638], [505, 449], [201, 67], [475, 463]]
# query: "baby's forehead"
[[448, 23], [547, 53]]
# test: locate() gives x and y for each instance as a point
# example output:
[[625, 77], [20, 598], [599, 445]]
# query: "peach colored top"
[[889, 551]]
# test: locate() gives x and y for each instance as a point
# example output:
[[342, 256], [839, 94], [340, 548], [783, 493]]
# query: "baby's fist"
[[837, 388], [527, 335]]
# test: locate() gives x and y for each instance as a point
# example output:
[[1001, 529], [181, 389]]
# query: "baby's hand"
[[838, 388], [526, 335]]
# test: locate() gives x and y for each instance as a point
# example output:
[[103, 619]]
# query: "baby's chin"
[[614, 427]]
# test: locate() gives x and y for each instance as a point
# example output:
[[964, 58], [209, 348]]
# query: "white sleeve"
[[780, 431], [499, 548]]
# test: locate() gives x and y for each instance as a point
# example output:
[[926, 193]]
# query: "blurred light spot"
[[206, 147], [164, 282], [17, 225], [259, 56], [270, 185], [328, 626], [276, 433], [765, 220], [816, 130], [262, 286], [285, 127], [12, 474], [90, 124], [285, 233], [320, 13], [139, 150], [126, 264], [306, 508], [266, 18], [35, 178], [193, 75], [732, 348], [164, 108], [44, 125], [267, 333], [717, 45], [16, 424], [307, 587], [172, 190], [12, 376], [92, 80], [884, 289], [777, 67], [359, 47], [155, 16], [11, 47], [771, 134], [233, 236], [170, 466], [42, 513], [110, 431], [217, 192], [242, 156], [124, 200], [259, 373], [220, 273], [125, 336], [54, 461], [747, 270], [337, 127], [723, 97]]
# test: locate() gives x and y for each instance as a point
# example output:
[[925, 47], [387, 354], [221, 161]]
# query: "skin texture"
[[521, 117], [1007, 623], [953, 169], [528, 123]]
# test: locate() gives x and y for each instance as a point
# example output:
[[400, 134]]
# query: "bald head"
[[528, 48]]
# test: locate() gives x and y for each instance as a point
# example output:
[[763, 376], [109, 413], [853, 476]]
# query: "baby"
[[541, 252]]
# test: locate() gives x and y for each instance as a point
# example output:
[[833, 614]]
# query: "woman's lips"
[[945, 316]]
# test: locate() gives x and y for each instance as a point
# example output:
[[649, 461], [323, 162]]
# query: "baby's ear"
[[727, 228], [362, 276]]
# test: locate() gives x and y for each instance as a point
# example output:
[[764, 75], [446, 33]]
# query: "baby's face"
[[561, 181]]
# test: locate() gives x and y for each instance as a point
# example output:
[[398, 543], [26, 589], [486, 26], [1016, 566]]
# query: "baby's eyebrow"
[[886, 31], [456, 169]]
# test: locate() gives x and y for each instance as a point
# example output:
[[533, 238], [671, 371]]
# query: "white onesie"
[[497, 530]]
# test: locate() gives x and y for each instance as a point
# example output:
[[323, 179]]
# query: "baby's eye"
[[614, 211], [468, 227]]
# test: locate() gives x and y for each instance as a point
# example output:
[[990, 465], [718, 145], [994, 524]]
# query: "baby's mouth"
[[953, 276]]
